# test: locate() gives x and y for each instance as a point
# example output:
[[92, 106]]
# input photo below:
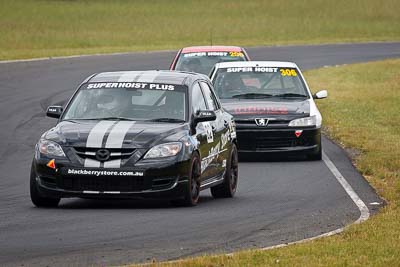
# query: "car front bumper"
[[283, 140], [156, 179]]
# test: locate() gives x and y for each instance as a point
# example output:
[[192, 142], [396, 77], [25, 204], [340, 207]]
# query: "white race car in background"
[[272, 105]]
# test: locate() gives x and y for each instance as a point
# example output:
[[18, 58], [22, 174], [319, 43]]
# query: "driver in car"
[[232, 85], [193, 65]]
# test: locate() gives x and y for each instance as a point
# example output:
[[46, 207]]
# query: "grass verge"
[[42, 28], [362, 112]]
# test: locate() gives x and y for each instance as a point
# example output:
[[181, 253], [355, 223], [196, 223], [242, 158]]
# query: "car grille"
[[121, 184], [266, 143], [115, 153], [272, 123], [270, 140]]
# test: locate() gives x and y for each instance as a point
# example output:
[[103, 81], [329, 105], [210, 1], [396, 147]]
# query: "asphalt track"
[[278, 201]]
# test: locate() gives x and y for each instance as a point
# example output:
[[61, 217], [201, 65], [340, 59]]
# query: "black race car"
[[155, 134], [273, 107]]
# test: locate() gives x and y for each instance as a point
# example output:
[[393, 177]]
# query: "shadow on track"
[[154, 204], [271, 157], [140, 204]]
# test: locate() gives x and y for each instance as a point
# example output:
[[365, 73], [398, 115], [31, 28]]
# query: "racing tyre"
[[37, 199], [192, 194], [228, 187], [317, 155]]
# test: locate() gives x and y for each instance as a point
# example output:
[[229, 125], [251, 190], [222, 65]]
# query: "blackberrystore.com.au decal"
[[103, 173]]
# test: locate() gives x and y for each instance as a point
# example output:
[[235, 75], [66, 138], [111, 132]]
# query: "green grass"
[[362, 113], [41, 28]]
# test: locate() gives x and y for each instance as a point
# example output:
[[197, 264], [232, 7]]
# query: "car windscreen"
[[259, 82], [129, 100], [203, 62]]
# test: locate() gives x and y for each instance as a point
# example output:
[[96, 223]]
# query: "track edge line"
[[364, 211]]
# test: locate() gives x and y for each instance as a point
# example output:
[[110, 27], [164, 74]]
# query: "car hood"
[[114, 134], [249, 108]]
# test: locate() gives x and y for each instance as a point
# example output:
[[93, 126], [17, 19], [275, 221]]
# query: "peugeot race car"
[[272, 105], [201, 59], [156, 134]]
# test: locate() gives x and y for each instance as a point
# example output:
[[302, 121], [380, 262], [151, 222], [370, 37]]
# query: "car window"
[[256, 82], [136, 101], [198, 102], [210, 97], [202, 62]]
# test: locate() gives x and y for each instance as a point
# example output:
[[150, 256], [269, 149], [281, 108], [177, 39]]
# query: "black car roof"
[[151, 76]]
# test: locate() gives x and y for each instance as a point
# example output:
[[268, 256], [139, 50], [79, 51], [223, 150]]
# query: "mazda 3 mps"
[[155, 134], [273, 107]]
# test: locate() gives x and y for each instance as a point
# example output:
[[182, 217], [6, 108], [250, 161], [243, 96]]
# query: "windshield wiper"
[[252, 95], [290, 95], [117, 119], [166, 120]]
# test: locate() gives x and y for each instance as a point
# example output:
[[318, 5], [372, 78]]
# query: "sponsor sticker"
[[214, 54], [265, 69], [209, 132], [195, 54], [84, 172], [261, 110], [288, 72], [252, 69], [212, 154], [217, 54], [236, 54], [240, 69], [51, 164], [132, 85]]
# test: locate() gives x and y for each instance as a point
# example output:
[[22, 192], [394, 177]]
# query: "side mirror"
[[204, 115], [54, 111], [320, 94]]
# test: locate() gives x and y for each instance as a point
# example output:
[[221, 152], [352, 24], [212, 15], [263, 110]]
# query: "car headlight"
[[164, 150], [50, 148], [307, 121]]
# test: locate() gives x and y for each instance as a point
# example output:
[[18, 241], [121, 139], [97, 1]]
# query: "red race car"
[[201, 59]]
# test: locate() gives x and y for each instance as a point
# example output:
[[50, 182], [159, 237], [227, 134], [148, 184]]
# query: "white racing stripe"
[[96, 135], [91, 163], [95, 139], [117, 134], [148, 77], [115, 140], [91, 192], [129, 77], [112, 163]]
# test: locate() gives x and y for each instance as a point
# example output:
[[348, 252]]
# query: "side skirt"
[[212, 182]]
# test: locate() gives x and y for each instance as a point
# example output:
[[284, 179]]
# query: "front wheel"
[[37, 199], [192, 193], [228, 187]]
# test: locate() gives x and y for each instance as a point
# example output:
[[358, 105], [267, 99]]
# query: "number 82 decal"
[[288, 72]]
